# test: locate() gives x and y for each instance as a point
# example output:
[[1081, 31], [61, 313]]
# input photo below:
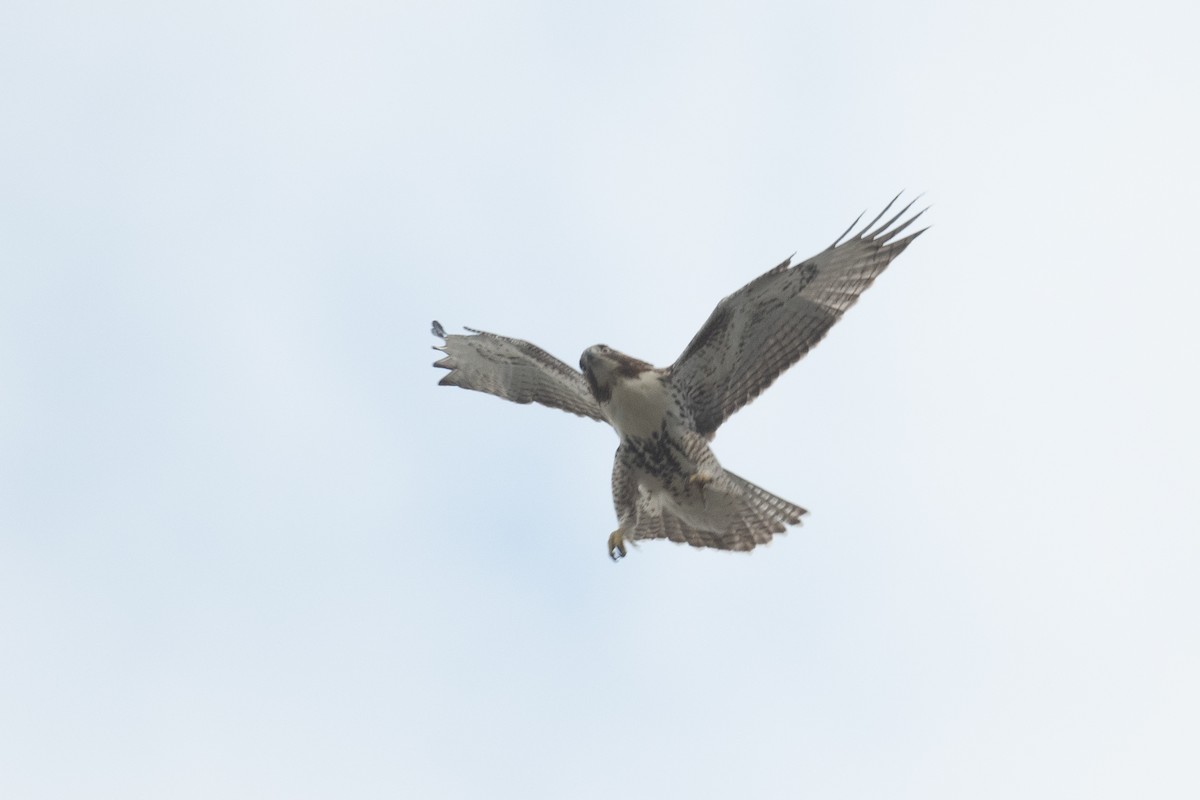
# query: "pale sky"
[[250, 549]]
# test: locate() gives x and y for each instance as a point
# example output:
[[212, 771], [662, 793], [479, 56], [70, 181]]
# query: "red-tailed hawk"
[[666, 482]]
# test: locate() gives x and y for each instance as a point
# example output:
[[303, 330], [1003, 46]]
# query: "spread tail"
[[769, 506], [729, 513]]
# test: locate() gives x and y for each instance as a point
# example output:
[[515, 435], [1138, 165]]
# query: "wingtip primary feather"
[[884, 233], [898, 246], [438, 330], [883, 229], [846, 233], [870, 225]]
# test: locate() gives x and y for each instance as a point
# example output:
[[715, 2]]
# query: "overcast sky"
[[249, 548]]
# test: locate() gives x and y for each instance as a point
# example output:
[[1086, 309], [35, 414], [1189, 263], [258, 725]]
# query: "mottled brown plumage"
[[667, 484]]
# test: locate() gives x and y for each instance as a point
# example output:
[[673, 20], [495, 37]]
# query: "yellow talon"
[[616, 544]]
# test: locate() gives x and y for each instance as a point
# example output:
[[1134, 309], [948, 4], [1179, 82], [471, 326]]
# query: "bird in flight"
[[666, 482]]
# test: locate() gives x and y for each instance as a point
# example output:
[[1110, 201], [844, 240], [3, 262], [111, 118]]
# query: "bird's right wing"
[[515, 370], [760, 330]]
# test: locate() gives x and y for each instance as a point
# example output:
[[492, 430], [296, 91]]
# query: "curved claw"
[[616, 545]]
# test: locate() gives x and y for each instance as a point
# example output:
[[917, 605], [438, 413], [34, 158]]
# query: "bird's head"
[[603, 366]]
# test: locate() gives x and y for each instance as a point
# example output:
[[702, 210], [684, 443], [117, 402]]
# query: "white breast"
[[639, 405]]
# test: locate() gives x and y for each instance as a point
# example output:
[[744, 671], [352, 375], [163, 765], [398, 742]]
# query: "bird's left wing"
[[515, 370], [760, 330]]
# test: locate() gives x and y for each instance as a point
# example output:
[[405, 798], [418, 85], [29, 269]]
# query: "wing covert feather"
[[513, 369], [760, 330]]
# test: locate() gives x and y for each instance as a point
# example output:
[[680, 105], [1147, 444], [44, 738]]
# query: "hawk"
[[666, 482]]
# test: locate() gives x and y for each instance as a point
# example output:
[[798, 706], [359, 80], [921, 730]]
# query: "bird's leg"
[[616, 544], [700, 479]]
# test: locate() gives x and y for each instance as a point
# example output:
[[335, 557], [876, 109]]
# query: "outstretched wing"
[[760, 330], [515, 370]]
